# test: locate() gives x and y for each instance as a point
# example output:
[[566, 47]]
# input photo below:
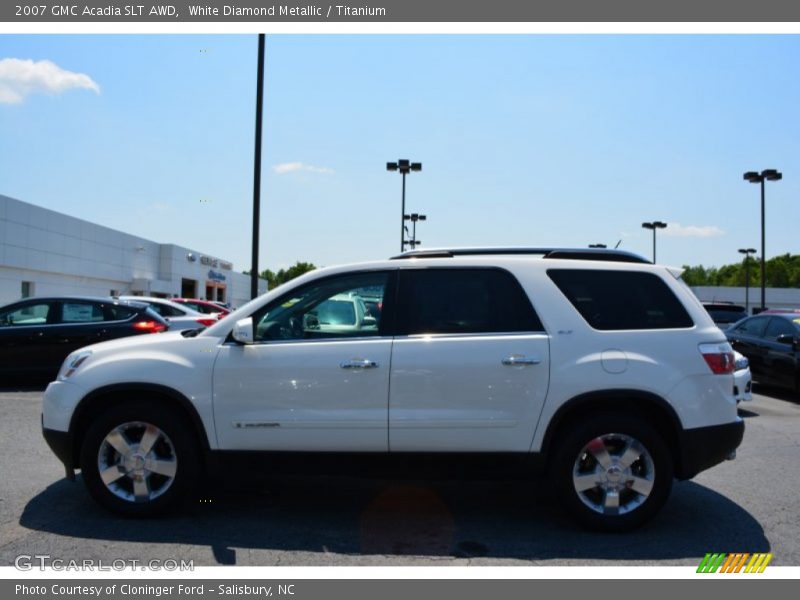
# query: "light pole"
[[755, 177], [654, 225], [414, 217], [404, 167], [747, 252], [257, 166]]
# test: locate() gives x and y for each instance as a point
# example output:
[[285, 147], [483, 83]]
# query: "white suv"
[[596, 366]]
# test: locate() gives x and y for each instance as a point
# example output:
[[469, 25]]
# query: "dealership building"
[[47, 253]]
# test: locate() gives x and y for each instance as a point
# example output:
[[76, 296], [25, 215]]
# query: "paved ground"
[[751, 504]]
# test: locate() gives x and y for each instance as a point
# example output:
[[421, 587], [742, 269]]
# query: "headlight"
[[73, 363], [742, 363]]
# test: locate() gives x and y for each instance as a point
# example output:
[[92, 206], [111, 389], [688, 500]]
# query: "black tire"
[[176, 442], [570, 458]]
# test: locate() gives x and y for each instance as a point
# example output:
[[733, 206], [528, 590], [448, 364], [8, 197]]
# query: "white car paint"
[[446, 393], [454, 393], [742, 379], [295, 395]]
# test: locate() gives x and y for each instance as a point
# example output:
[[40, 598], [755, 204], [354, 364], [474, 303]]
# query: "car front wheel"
[[138, 459]]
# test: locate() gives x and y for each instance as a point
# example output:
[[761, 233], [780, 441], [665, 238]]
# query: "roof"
[[600, 254], [104, 299]]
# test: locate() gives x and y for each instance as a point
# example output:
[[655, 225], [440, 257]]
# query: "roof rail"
[[563, 253]]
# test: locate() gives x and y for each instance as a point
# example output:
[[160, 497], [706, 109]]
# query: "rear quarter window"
[[619, 300], [119, 312]]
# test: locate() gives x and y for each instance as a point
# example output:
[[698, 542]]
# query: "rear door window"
[[463, 301], [81, 312], [621, 300]]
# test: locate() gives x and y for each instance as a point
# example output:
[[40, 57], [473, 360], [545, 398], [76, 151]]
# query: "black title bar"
[[392, 11]]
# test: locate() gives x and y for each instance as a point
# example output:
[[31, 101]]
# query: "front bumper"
[[703, 447], [61, 444]]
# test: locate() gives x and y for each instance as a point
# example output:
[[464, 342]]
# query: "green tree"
[[695, 276], [782, 271], [284, 275]]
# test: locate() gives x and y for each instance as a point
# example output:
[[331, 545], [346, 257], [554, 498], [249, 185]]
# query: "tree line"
[[781, 272], [274, 279]]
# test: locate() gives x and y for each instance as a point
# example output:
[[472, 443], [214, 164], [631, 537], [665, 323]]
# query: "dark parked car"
[[771, 342], [37, 334], [724, 313]]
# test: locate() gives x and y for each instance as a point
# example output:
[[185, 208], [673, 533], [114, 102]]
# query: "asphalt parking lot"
[[747, 505]]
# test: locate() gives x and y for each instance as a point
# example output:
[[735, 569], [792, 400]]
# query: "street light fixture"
[[404, 166], [747, 252], [414, 217], [755, 177], [654, 225]]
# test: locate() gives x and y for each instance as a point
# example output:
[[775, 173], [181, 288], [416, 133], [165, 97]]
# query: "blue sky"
[[525, 140]]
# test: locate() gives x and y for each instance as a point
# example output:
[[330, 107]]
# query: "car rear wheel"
[[137, 459], [612, 472]]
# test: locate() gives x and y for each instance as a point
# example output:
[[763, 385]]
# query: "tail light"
[[149, 326], [206, 322], [718, 357]]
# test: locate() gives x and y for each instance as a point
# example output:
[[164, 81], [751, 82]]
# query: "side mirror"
[[369, 321], [243, 331], [786, 338]]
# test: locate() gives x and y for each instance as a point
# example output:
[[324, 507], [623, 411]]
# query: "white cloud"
[[678, 230], [291, 167], [21, 77]]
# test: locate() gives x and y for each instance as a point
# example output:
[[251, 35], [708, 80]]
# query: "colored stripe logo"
[[739, 562]]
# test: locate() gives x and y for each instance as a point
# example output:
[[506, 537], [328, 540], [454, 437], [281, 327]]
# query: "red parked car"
[[204, 306]]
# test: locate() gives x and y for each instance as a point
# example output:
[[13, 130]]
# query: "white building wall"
[[52, 284], [60, 255], [774, 297]]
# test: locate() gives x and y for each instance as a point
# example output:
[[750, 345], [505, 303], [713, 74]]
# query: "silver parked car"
[[177, 315]]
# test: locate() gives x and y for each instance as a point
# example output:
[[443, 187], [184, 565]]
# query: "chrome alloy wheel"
[[613, 474], [137, 462]]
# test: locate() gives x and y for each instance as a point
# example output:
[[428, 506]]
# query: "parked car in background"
[[781, 311], [505, 361], [771, 343], [207, 307], [725, 313], [178, 316], [742, 378], [37, 334]]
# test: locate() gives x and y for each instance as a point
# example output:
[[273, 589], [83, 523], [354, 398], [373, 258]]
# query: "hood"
[[147, 340]]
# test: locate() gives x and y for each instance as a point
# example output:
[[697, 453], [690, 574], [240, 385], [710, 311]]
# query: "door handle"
[[511, 361], [359, 363]]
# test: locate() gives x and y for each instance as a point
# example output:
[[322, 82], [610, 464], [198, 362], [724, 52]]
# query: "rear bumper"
[[704, 447]]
